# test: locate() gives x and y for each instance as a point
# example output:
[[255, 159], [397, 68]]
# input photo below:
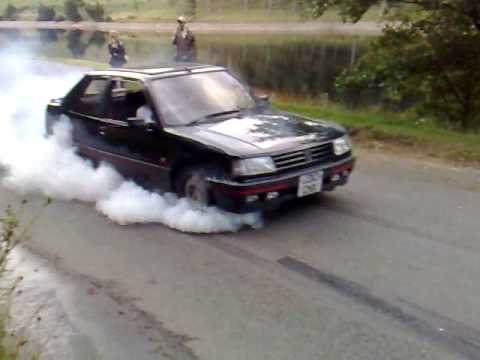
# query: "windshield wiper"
[[214, 115], [222, 113]]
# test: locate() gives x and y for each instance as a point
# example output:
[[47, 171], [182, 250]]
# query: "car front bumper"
[[244, 197]]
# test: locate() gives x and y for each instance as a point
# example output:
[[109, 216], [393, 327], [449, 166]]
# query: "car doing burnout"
[[199, 131]]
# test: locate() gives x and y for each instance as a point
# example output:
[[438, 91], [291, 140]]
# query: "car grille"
[[315, 155]]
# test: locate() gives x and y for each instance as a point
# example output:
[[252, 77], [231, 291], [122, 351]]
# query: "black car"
[[199, 131]]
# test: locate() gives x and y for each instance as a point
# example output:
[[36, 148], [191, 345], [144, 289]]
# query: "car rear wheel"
[[192, 184]]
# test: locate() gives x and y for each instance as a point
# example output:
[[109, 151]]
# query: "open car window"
[[96, 87], [128, 100], [92, 100], [123, 86]]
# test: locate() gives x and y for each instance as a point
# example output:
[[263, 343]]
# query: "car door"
[[87, 111], [140, 151]]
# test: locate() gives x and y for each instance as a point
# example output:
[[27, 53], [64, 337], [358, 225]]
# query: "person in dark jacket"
[[184, 41], [118, 56]]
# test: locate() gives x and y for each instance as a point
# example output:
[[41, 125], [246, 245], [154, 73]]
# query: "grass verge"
[[12, 235], [79, 63], [399, 133]]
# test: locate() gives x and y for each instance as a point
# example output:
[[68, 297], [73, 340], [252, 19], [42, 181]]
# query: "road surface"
[[385, 268]]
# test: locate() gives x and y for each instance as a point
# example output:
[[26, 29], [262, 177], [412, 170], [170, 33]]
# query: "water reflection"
[[75, 44], [271, 128], [98, 38], [48, 35], [299, 66], [11, 34], [78, 42]]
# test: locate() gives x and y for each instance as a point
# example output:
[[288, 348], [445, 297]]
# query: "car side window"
[[129, 101], [92, 100]]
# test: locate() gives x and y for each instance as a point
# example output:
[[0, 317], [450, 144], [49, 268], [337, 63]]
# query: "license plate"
[[310, 184]]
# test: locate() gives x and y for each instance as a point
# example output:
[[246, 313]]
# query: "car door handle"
[[102, 130]]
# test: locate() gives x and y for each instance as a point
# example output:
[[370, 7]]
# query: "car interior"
[[127, 97]]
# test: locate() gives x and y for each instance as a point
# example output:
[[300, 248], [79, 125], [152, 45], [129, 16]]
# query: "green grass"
[[398, 132], [78, 62], [12, 348], [4, 355], [12, 234], [158, 10]]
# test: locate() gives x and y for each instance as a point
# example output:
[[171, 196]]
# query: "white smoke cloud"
[[51, 167], [130, 203], [35, 164]]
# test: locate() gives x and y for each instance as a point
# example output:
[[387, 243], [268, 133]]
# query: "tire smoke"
[[50, 166]]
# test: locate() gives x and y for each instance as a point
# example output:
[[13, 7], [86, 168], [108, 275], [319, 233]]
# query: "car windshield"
[[193, 98]]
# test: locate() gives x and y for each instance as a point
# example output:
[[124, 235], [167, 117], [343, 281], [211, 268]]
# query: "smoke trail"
[[35, 164]]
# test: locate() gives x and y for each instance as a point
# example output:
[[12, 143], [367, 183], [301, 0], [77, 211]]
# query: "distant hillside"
[[206, 10]]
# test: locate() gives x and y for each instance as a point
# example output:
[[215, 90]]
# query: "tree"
[[190, 8], [430, 53], [72, 10], [95, 11], [245, 6], [46, 13], [11, 13]]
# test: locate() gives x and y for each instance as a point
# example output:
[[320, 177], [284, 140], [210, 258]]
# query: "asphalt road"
[[385, 268]]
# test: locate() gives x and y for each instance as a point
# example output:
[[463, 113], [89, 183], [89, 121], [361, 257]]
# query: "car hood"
[[259, 134]]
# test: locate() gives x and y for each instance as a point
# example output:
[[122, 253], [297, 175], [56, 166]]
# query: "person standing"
[[184, 41], [118, 56]]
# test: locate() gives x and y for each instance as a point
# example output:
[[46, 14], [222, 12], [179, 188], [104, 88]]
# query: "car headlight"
[[342, 145], [253, 166]]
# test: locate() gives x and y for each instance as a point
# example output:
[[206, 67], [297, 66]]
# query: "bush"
[[72, 10], [188, 8], [11, 13], [95, 11], [46, 13], [60, 18], [429, 54]]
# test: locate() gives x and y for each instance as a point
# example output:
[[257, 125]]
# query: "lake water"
[[298, 66]]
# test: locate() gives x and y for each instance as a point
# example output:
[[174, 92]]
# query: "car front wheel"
[[192, 184]]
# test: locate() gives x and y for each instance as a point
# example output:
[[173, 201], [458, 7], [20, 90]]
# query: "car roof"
[[147, 73]]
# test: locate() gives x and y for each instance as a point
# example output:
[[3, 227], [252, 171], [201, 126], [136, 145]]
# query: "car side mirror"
[[138, 123], [263, 100]]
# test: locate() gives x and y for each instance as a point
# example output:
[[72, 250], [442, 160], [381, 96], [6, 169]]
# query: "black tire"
[[192, 184]]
